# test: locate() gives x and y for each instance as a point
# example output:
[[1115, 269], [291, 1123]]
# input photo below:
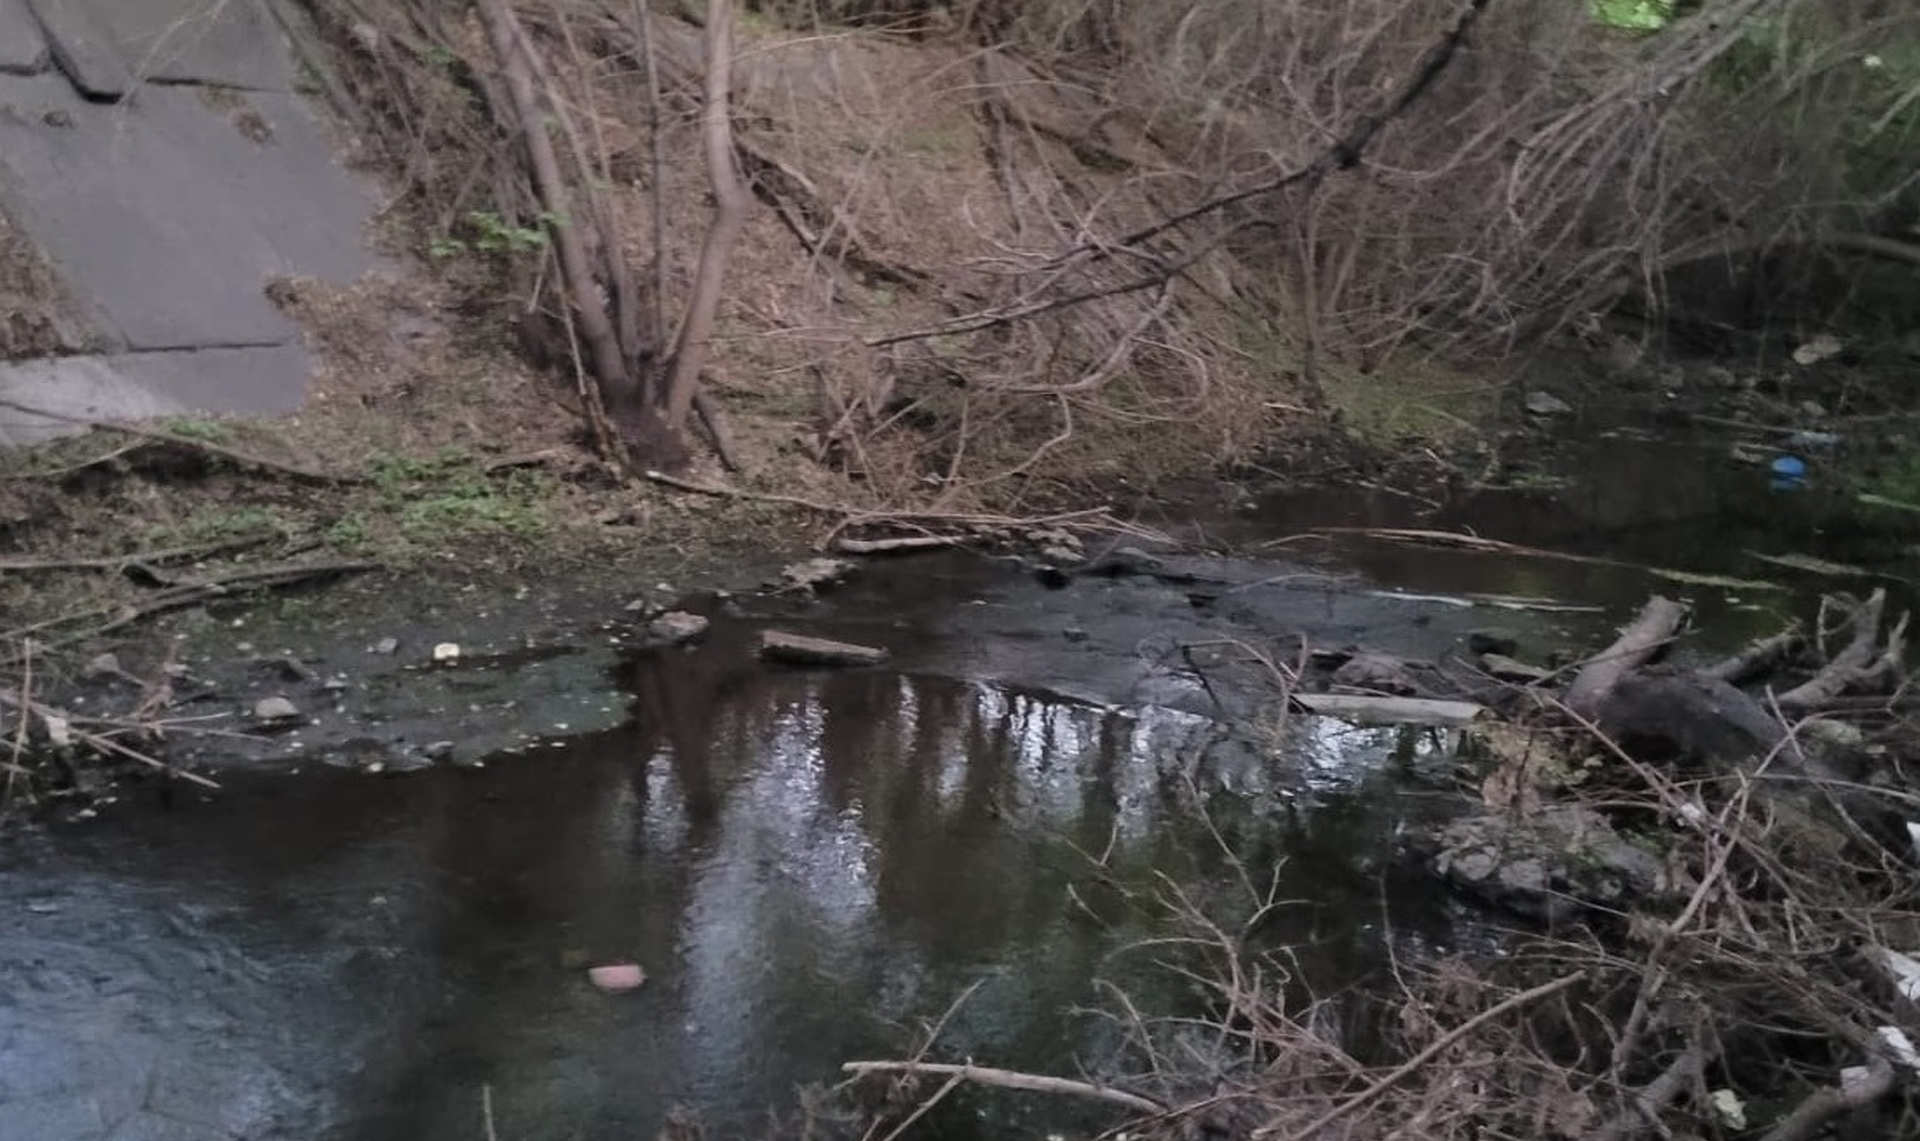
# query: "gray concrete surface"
[[166, 207], [113, 45], [136, 386], [23, 50]]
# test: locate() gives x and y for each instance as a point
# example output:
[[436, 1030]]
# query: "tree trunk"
[[730, 203]]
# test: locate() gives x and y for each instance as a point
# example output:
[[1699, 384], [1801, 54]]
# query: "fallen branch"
[[860, 516], [1821, 1106], [1414, 1064], [1011, 1079], [1860, 663], [1657, 623], [157, 435], [1759, 657], [1389, 710], [800, 650], [116, 562], [714, 418], [24, 706], [173, 598], [1641, 1114], [77, 465], [892, 546]]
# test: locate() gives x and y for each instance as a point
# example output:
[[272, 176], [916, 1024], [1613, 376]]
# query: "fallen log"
[[1758, 657], [1377, 710], [800, 650], [1010, 1079], [1863, 663], [1657, 623]]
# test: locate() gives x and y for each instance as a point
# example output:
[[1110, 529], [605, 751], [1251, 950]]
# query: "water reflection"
[[805, 864]]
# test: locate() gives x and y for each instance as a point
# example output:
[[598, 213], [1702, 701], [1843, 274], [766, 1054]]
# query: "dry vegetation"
[[995, 245], [997, 248]]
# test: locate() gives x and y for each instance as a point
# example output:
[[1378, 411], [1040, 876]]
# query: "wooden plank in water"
[[1390, 710], [800, 650]]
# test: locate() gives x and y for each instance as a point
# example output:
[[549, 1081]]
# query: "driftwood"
[[1010, 1079], [896, 544], [1823, 1105], [1659, 620], [800, 650], [1760, 657], [1862, 664], [1389, 710]]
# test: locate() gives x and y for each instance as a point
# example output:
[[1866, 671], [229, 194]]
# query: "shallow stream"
[[809, 864]]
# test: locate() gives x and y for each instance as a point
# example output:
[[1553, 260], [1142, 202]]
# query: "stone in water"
[[616, 977]]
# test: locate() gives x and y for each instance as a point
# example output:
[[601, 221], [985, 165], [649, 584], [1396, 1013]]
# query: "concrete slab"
[[137, 386], [23, 50], [167, 216], [107, 46], [84, 48], [234, 43]]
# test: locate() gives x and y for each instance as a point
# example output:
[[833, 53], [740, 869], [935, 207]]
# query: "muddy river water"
[[807, 864]]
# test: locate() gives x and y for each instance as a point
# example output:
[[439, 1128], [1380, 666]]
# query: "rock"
[[1827, 731], [437, 751], [1823, 347], [1492, 642], [616, 977], [811, 574], [677, 627], [798, 649], [1056, 538], [387, 645], [101, 665], [1123, 561], [1376, 673], [1548, 865], [1540, 403], [290, 668], [1074, 634], [1813, 410], [446, 652], [1060, 555], [276, 711]]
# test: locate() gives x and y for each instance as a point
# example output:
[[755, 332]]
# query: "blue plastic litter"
[[1790, 467]]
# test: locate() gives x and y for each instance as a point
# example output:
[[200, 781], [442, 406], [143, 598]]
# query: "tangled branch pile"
[[1053, 236], [1728, 940]]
